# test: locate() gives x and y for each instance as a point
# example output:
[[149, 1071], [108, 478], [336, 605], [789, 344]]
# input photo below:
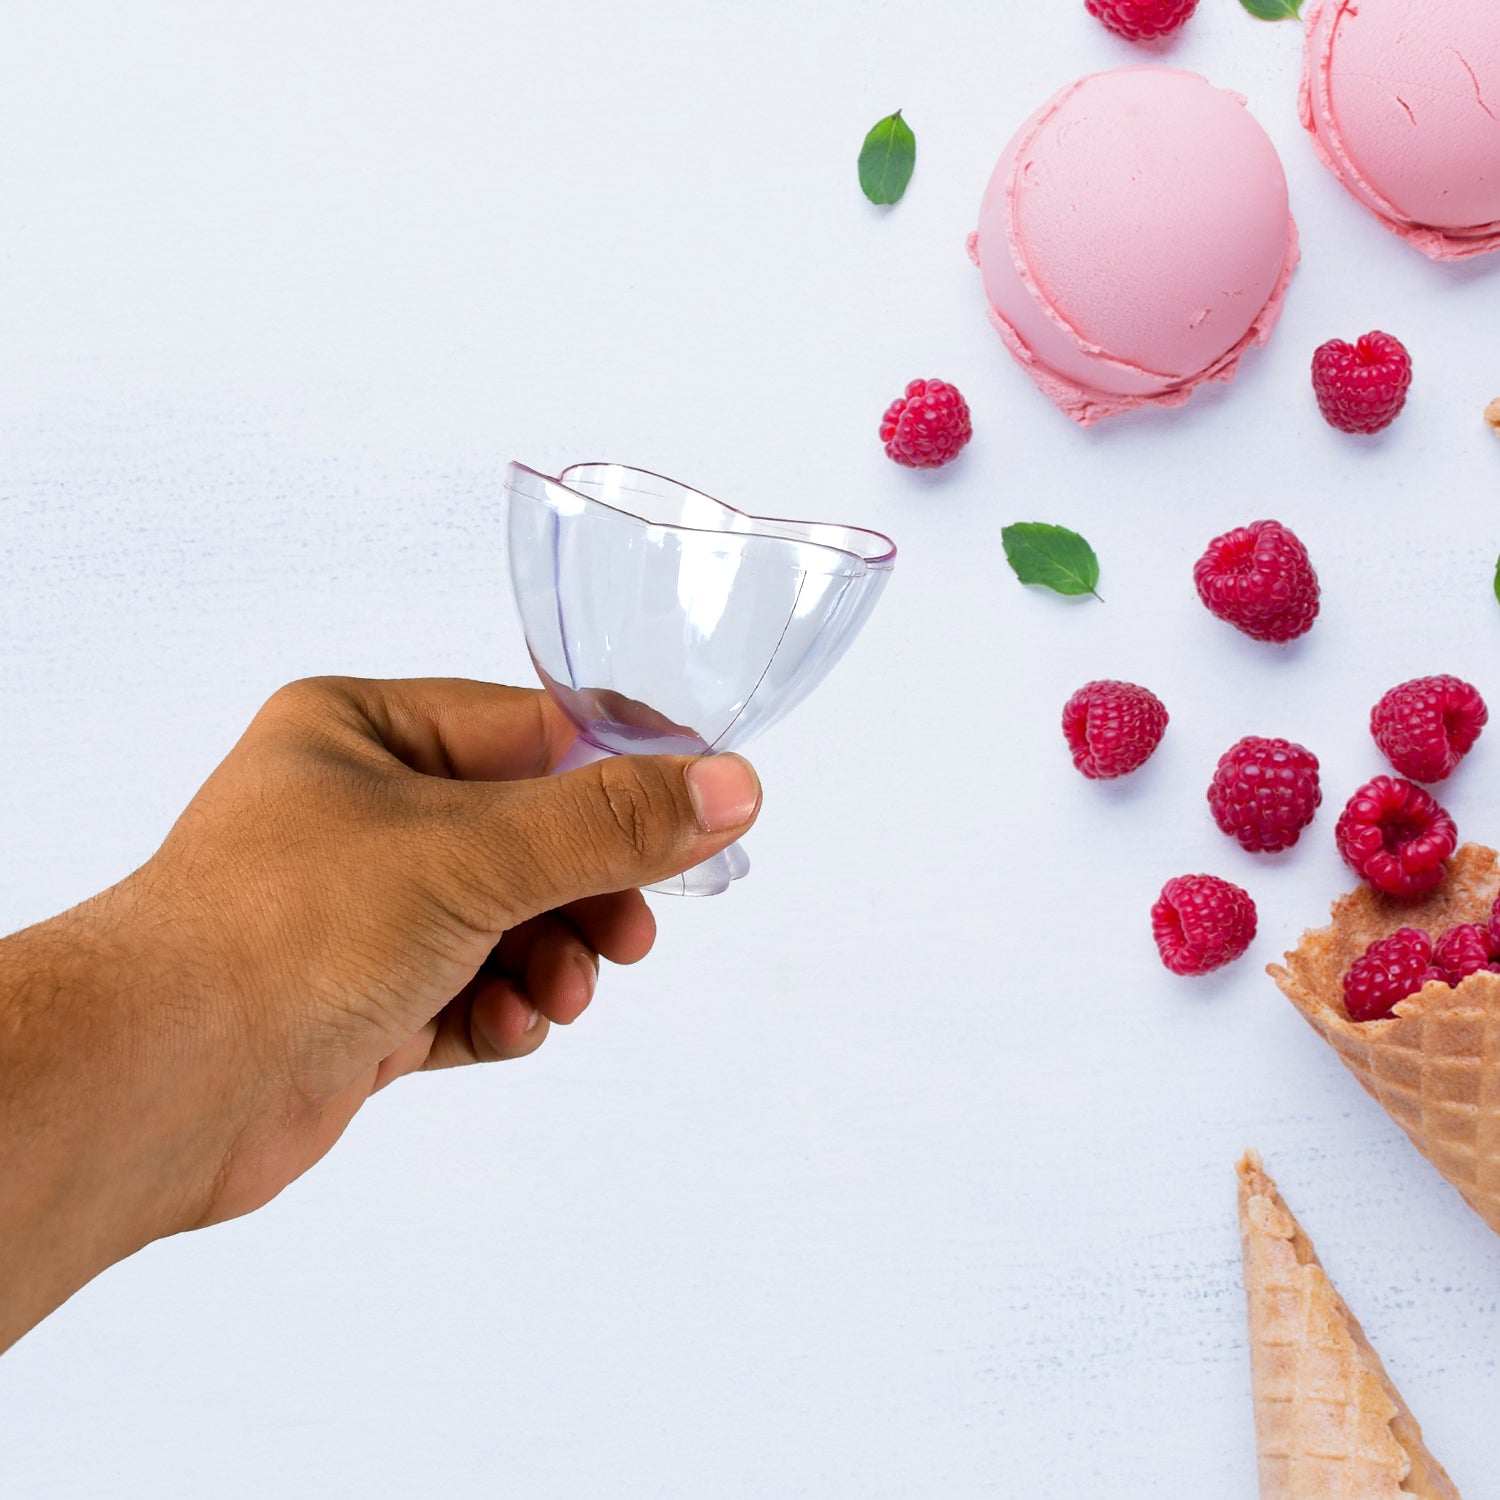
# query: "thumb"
[[627, 821]]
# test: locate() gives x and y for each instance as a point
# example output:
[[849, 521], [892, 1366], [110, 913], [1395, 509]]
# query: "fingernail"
[[590, 973], [533, 1018], [725, 791]]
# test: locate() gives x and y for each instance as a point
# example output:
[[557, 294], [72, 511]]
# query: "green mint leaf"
[[1052, 556], [1274, 10], [1497, 578], [886, 159]]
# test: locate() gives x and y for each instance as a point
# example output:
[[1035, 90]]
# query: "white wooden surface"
[[903, 1170]]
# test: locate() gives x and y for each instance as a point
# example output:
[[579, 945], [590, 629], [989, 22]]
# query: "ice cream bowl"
[[663, 621]]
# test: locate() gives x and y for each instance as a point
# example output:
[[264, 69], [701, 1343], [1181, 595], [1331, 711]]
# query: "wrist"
[[100, 1150]]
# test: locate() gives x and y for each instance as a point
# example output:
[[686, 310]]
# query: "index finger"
[[464, 730]]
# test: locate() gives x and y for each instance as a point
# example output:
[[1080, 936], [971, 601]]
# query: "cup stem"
[[712, 878]]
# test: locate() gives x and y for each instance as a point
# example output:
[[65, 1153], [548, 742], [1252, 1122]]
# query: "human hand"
[[380, 877]]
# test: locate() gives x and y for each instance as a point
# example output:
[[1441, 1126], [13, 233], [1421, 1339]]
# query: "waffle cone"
[[1329, 1425], [1435, 1064]]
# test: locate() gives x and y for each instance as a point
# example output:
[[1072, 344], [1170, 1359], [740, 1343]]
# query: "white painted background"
[[902, 1170]]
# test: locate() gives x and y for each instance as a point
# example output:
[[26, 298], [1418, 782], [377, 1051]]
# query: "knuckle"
[[320, 711], [640, 808], [297, 704], [293, 697]]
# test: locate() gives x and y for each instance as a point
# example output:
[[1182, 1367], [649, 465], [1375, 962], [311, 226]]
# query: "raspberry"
[[927, 427], [1201, 923], [1396, 836], [1142, 20], [1112, 728], [1265, 792], [1464, 950], [1361, 387], [1259, 579], [1389, 971], [1426, 726]]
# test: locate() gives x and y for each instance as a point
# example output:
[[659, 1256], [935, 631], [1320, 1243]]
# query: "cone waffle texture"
[[1435, 1064], [1329, 1425]]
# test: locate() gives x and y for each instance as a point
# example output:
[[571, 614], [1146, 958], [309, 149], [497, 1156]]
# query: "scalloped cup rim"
[[880, 553]]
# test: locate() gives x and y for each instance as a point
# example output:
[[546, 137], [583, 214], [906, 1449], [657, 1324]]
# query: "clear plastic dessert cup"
[[663, 621]]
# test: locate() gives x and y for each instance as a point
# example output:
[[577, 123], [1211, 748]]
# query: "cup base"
[[712, 878]]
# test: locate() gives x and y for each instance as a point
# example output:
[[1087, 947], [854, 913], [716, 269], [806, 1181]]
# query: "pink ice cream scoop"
[[1403, 101], [1135, 240]]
